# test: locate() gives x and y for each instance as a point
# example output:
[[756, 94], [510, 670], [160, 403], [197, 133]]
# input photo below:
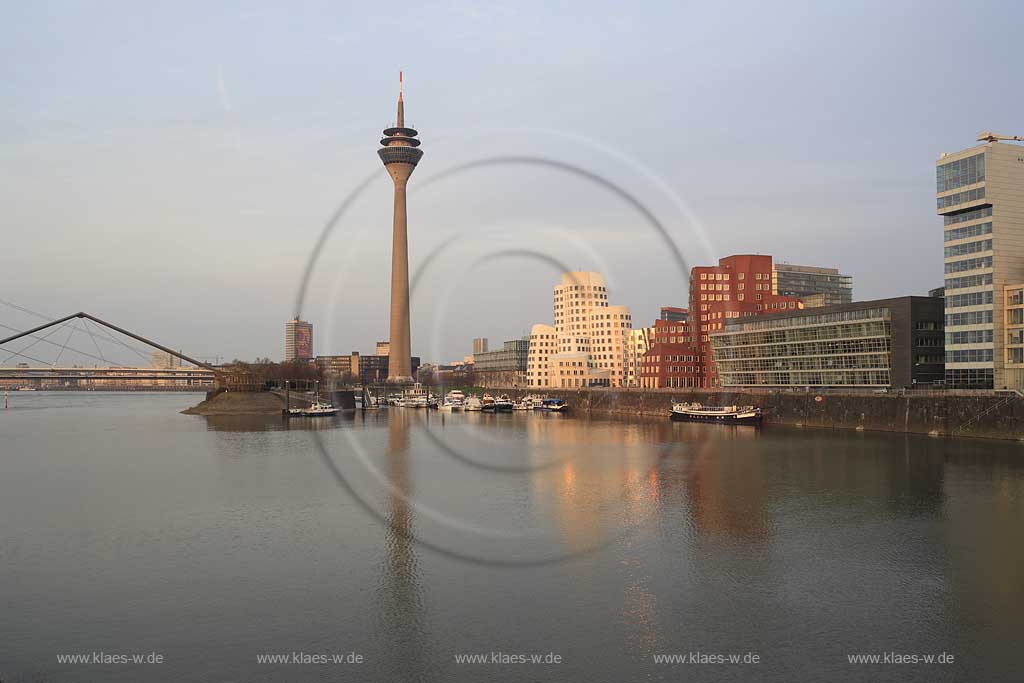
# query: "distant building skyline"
[[816, 286]]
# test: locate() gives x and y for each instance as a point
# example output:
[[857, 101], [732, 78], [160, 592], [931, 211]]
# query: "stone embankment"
[[994, 416]]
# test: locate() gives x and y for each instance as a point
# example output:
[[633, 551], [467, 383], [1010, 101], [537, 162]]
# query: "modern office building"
[[338, 367], [479, 345], [888, 343], [298, 340], [164, 360], [738, 287], [543, 344], [674, 314], [503, 367], [374, 369], [589, 334], [980, 196], [813, 285]]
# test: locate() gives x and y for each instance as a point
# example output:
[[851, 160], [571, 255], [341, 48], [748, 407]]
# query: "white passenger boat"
[[487, 403], [695, 412], [473, 404]]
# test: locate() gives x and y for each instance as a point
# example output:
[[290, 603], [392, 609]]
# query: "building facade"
[[888, 343], [814, 285], [503, 367], [979, 193], [674, 314], [479, 345], [298, 340], [738, 287], [590, 337], [1013, 317], [637, 344]]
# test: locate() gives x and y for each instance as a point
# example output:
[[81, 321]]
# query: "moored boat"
[[473, 404], [695, 412], [487, 403], [318, 410], [503, 404], [552, 405]]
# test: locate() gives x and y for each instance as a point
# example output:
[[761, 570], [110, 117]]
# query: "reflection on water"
[[126, 526]]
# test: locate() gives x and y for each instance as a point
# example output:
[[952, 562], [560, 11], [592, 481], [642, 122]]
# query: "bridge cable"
[[26, 348], [93, 337], [106, 334], [70, 348], [65, 346]]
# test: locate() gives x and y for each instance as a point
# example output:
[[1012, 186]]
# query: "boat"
[[453, 402], [695, 412], [525, 403], [503, 404], [318, 409], [26, 388], [473, 405], [551, 405], [487, 403]]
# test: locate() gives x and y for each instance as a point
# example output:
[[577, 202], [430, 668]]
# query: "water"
[[408, 540]]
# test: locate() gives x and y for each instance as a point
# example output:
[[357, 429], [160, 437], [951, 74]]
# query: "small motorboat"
[[552, 405], [318, 410], [526, 403], [487, 403], [453, 402], [503, 404], [473, 404], [695, 412]]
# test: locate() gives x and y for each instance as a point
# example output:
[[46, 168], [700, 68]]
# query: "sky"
[[170, 167]]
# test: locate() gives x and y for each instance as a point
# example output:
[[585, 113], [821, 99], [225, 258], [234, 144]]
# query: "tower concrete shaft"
[[400, 156]]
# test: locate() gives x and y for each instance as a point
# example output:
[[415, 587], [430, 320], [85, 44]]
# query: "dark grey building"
[[813, 285], [374, 369], [886, 343]]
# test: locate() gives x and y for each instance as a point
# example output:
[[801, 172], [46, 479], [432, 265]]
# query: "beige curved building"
[[590, 337]]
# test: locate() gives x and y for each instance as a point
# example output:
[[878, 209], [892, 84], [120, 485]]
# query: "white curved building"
[[588, 343]]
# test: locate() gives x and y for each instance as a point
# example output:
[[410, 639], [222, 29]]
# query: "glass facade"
[[966, 171], [847, 348], [959, 198], [815, 286]]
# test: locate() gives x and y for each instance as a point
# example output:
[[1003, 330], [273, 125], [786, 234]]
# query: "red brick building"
[[739, 286]]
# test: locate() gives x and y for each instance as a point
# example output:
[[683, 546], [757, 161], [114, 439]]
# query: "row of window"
[[872, 361], [960, 198], [970, 378], [969, 337], [838, 378], [964, 216], [776, 352], [969, 264], [968, 248], [969, 231], [968, 281], [969, 356], [969, 318], [970, 299], [961, 172]]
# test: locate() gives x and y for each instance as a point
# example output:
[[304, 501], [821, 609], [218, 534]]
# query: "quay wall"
[[935, 413]]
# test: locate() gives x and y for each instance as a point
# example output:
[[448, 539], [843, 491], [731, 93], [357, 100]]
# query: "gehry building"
[[587, 345]]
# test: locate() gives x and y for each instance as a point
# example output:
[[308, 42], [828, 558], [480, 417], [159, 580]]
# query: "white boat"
[[487, 403], [525, 403], [695, 412], [474, 404], [453, 402], [26, 388], [319, 410], [551, 405], [503, 404]]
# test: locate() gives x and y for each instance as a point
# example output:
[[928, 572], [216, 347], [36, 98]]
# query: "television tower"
[[400, 156]]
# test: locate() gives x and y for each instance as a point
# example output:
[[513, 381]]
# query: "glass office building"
[[872, 344], [813, 285], [980, 196]]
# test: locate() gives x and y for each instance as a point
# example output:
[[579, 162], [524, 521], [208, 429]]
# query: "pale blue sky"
[[168, 166]]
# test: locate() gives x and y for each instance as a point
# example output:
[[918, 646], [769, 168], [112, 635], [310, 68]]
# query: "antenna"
[[399, 85]]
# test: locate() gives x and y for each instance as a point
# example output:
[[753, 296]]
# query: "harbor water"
[[411, 545]]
